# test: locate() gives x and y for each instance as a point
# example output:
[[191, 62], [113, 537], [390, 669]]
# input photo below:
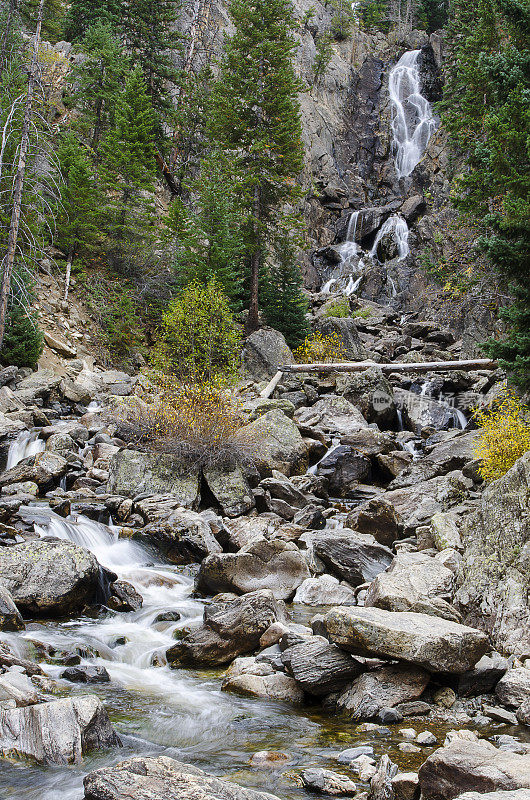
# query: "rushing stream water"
[[182, 713]]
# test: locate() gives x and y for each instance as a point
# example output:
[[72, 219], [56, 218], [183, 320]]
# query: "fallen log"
[[396, 366]]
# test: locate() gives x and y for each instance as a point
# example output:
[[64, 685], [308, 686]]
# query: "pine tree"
[[98, 80], [486, 104], [284, 303], [80, 210], [82, 14], [256, 117], [210, 242], [152, 37], [128, 166], [23, 340]]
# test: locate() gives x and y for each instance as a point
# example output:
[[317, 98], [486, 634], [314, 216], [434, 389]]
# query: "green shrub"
[[23, 339], [340, 309], [199, 340], [362, 313]]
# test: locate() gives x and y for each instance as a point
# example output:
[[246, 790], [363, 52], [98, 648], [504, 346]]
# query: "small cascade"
[[25, 445], [397, 227], [412, 119], [335, 444], [349, 249]]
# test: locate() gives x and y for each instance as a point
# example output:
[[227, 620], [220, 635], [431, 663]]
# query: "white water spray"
[[25, 445], [412, 119], [397, 227]]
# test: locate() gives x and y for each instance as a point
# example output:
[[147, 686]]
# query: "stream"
[[181, 713]]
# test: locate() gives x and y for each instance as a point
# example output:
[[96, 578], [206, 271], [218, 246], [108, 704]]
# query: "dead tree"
[[8, 261], [12, 7]]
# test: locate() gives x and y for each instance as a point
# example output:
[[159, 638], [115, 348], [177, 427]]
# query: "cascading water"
[[396, 227], [412, 119], [156, 709], [25, 445]]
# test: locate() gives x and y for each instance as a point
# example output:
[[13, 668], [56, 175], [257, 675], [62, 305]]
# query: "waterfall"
[[412, 119], [25, 445], [399, 229], [350, 247]]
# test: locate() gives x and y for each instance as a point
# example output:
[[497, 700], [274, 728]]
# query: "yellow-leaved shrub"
[[199, 422], [505, 435], [318, 348]]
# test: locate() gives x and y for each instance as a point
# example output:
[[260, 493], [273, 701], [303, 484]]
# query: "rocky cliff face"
[[347, 117]]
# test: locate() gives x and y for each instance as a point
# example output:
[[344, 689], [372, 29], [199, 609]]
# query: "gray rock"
[[356, 557], [382, 688], [264, 351], [228, 630], [184, 538], [325, 590], [259, 679], [333, 415], [133, 473], [58, 732], [276, 565], [493, 574], [378, 519], [49, 577], [416, 505], [346, 331], [406, 786], [472, 766], [320, 667], [430, 642], [483, 677], [516, 794], [325, 781], [500, 715], [231, 489], [513, 689], [43, 469], [10, 618], [414, 582], [144, 778], [371, 393], [344, 468], [277, 444], [124, 597], [18, 688], [83, 674]]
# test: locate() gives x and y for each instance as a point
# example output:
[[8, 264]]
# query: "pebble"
[[408, 747], [328, 782], [346, 756], [426, 738], [445, 697], [407, 733]]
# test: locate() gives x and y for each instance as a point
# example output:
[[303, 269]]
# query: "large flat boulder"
[[151, 778], [228, 630], [258, 679], [356, 557], [49, 577], [513, 689], [416, 505], [414, 582], [465, 766], [58, 732], [277, 444], [133, 473], [231, 489], [275, 564], [382, 688], [344, 468], [435, 644]]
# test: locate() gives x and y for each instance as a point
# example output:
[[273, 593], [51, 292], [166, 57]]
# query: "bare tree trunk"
[[71, 255], [9, 258], [255, 264], [9, 21]]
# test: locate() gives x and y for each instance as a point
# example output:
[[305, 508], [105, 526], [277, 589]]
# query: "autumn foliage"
[[505, 435]]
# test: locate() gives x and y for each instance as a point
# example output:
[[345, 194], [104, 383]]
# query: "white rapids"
[[412, 119], [25, 445]]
